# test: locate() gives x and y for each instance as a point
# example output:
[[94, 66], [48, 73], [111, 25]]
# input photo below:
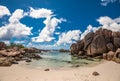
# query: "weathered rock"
[[101, 44], [47, 69], [73, 49], [15, 48], [115, 34], [117, 42], [117, 56], [28, 60], [80, 45], [15, 62], [69, 62], [6, 61], [98, 46], [9, 53], [17, 58], [77, 65], [110, 47], [110, 55], [107, 35], [88, 39], [31, 50], [95, 73], [21, 51]]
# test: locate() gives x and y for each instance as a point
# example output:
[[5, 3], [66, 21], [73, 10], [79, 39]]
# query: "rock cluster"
[[103, 42], [9, 56]]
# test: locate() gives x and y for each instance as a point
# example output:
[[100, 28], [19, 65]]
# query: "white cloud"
[[50, 22], [15, 28], [89, 29], [16, 16], [57, 33], [106, 2], [19, 42], [6, 42], [4, 11], [68, 37], [117, 20], [47, 32], [40, 13], [105, 20], [110, 24]]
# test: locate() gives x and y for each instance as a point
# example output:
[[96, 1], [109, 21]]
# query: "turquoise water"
[[60, 60]]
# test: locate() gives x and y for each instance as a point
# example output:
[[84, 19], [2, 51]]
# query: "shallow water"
[[60, 60]]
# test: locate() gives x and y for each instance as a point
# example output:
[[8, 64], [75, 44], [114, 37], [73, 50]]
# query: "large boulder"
[[106, 33], [6, 61], [31, 50], [117, 56], [80, 45], [76, 47], [98, 46], [103, 44], [9, 54], [73, 49], [110, 55], [88, 39], [117, 42]]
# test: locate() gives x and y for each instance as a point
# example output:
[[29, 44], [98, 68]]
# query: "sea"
[[58, 60]]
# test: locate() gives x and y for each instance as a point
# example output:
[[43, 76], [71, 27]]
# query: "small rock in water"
[[69, 61], [85, 62], [47, 69], [95, 73], [15, 62], [77, 65], [28, 60]]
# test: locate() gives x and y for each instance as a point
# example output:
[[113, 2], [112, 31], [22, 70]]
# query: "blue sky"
[[55, 24]]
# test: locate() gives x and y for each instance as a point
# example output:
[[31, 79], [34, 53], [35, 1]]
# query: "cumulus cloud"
[[68, 37], [14, 28], [89, 29], [40, 13], [16, 16], [50, 22], [106, 2], [110, 24], [4, 11]]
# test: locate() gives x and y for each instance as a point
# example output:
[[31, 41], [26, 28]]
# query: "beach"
[[108, 71]]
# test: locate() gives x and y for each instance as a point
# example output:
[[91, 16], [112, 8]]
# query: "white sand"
[[109, 71]]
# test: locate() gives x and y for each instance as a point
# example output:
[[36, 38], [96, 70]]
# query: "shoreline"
[[108, 70], [30, 66]]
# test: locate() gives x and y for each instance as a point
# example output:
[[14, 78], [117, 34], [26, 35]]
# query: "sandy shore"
[[109, 71]]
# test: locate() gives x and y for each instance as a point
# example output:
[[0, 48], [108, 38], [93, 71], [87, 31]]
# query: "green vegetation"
[[15, 45]]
